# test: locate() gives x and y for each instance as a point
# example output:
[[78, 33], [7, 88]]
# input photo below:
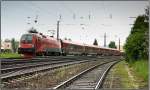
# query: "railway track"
[[13, 71], [13, 65], [17, 68], [37, 59], [7, 64], [16, 74], [31, 65], [91, 78]]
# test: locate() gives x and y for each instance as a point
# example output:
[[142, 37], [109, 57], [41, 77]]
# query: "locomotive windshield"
[[26, 38]]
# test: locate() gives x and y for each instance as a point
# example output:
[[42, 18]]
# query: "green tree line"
[[136, 46], [112, 45], [14, 45]]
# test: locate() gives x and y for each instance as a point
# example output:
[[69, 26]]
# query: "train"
[[36, 44]]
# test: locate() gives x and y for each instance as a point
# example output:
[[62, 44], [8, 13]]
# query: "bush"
[[141, 69], [136, 46]]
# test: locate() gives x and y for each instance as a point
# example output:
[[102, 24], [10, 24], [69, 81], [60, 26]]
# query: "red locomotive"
[[37, 44]]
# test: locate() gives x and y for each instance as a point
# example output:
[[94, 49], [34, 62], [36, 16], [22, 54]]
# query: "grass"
[[140, 71], [138, 77], [119, 70], [9, 55]]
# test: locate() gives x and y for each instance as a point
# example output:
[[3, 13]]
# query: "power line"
[[46, 11], [104, 7], [67, 7], [69, 10]]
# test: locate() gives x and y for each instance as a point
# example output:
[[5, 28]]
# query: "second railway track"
[[91, 78], [35, 69], [13, 65]]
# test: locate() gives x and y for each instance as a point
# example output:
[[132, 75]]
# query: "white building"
[[6, 45]]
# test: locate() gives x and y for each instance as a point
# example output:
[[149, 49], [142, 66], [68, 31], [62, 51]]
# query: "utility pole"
[[105, 40], [58, 30], [119, 44], [0, 42]]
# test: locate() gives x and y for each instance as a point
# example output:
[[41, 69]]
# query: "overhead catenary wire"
[[49, 13], [60, 15], [42, 9], [69, 10]]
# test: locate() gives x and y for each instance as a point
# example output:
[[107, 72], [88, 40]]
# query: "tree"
[[13, 45], [1, 42], [95, 42], [16, 45], [0, 45], [112, 44], [69, 39], [65, 38], [136, 46]]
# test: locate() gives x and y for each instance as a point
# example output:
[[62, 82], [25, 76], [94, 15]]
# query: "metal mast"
[[105, 40], [119, 43], [58, 30]]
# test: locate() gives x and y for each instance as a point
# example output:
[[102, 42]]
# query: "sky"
[[81, 21]]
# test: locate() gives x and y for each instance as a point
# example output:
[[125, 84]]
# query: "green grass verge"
[[120, 71], [140, 71], [10, 55]]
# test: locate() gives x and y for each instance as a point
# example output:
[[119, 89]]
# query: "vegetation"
[[112, 45], [65, 38], [120, 70], [136, 48], [14, 45], [9, 55], [69, 39], [128, 77], [95, 42], [140, 68]]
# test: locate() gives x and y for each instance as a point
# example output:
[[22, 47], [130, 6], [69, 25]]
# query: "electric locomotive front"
[[37, 44], [27, 46]]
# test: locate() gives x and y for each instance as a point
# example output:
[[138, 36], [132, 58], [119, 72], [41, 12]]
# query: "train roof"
[[72, 42], [42, 36], [92, 46], [109, 48], [83, 44]]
